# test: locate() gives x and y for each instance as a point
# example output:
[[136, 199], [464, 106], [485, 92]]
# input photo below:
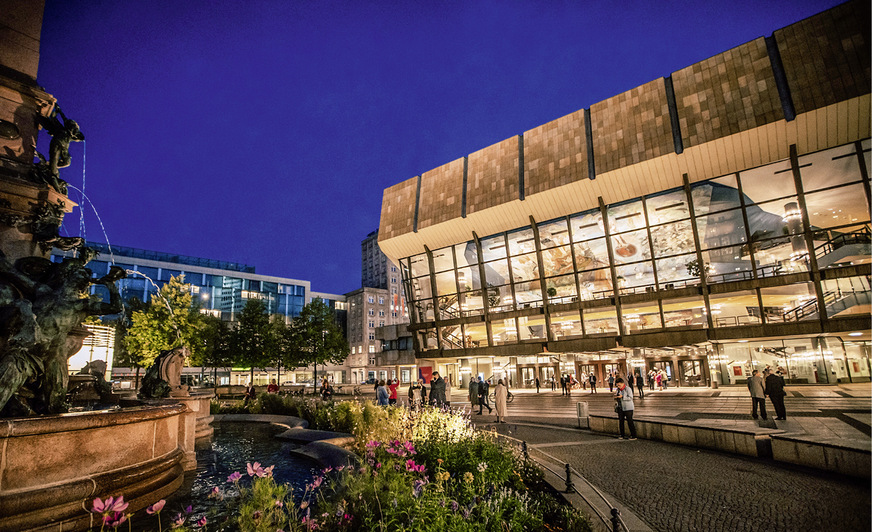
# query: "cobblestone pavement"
[[675, 488]]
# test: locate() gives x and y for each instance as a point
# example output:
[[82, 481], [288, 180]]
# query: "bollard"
[[569, 485], [524, 450], [581, 412], [616, 520]]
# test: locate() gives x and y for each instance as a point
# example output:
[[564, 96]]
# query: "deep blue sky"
[[264, 132]]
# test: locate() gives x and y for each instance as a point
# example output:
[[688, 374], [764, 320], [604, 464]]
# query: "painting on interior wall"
[[737, 371]]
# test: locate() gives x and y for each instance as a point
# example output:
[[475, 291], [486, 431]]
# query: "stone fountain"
[[53, 463]]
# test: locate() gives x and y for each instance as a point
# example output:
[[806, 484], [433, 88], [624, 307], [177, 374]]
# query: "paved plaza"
[[661, 486]]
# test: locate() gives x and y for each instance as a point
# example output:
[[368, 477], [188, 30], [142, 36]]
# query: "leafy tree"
[[251, 340], [315, 338], [169, 320], [217, 340]]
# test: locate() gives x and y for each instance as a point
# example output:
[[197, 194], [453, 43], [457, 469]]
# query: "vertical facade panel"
[[441, 194], [492, 176]]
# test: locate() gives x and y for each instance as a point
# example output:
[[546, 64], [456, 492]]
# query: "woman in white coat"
[[501, 393]]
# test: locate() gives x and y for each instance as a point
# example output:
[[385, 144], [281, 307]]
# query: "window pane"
[[790, 303], [421, 288], [770, 219], [600, 321], [565, 324], [829, 168], [633, 278], [781, 256], [419, 265], [587, 225], [591, 255], [557, 261], [626, 217], [667, 207], [637, 319], [675, 272], [504, 331], [469, 278], [445, 283], [493, 247], [735, 309], [531, 327], [715, 195], [561, 289], [672, 239], [496, 272], [768, 182], [499, 298], [451, 337], [466, 254], [843, 247], [525, 267], [443, 260], [837, 207], [528, 294], [595, 284], [721, 229], [476, 335], [521, 242], [631, 247], [847, 296], [554, 233], [727, 264], [472, 303], [685, 312]]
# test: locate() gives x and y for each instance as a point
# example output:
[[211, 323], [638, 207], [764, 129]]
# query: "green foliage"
[[250, 339], [314, 337], [168, 321]]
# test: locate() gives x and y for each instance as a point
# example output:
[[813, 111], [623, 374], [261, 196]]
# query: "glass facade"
[[773, 226]]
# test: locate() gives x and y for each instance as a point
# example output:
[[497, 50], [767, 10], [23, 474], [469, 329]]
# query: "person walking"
[[592, 382], [774, 388], [631, 382], [437, 390], [392, 392], [501, 394], [611, 382], [381, 393], [756, 387], [473, 394], [651, 380], [658, 378], [483, 389], [640, 385], [624, 407], [537, 385], [553, 384], [570, 383], [562, 385]]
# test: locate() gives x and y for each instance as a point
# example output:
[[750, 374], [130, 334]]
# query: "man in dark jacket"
[[640, 385], [776, 393], [562, 385], [483, 389], [473, 394], [437, 389]]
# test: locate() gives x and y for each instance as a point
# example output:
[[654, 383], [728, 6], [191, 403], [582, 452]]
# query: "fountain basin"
[[52, 467]]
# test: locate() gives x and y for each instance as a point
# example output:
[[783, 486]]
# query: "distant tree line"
[[256, 340]]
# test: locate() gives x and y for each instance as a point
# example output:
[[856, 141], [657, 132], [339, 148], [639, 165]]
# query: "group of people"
[[438, 395], [479, 389], [770, 384]]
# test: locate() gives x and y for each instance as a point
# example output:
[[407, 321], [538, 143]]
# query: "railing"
[[863, 236], [614, 521], [736, 321]]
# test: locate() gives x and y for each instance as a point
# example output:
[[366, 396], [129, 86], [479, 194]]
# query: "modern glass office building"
[[707, 224]]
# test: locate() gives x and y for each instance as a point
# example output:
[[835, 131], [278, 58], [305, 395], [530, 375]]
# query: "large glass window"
[[419, 265], [561, 289], [829, 168], [595, 284], [528, 294], [684, 312], [469, 278], [633, 278], [451, 337], [553, 233], [591, 255], [505, 331], [715, 195], [600, 321], [844, 246], [521, 241], [525, 267], [446, 283], [846, 296], [493, 247], [640, 317], [837, 206], [672, 239], [667, 207], [496, 272], [531, 327], [735, 309], [726, 228], [726, 264], [443, 259], [587, 225], [476, 335], [626, 217], [565, 324], [676, 272], [466, 254], [768, 182], [789, 303], [631, 247], [471, 303], [557, 260]]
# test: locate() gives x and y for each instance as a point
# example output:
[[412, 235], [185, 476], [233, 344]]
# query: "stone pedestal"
[[195, 424], [22, 205]]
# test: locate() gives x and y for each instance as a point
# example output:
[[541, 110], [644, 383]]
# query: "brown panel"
[[631, 127], [441, 194], [492, 176], [826, 57], [398, 209], [725, 94], [555, 154]]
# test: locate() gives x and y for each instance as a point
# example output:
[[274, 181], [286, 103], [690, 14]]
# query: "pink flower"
[[179, 520], [110, 505], [254, 469], [156, 507], [201, 522], [115, 519], [317, 482], [256, 515], [234, 477], [280, 504], [410, 447]]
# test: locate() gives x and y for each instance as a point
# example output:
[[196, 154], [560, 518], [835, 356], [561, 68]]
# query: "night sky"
[[264, 132]]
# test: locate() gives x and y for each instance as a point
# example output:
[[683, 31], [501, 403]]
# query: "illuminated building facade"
[[707, 223]]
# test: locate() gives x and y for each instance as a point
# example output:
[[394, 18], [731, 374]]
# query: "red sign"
[[425, 372], [737, 371]]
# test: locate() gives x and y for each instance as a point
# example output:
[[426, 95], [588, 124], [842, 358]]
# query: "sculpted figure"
[[164, 377], [62, 133], [42, 302]]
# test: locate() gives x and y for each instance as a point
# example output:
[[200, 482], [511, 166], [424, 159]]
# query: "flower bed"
[[424, 471]]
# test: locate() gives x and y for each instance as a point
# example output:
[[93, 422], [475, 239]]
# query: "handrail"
[[615, 521]]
